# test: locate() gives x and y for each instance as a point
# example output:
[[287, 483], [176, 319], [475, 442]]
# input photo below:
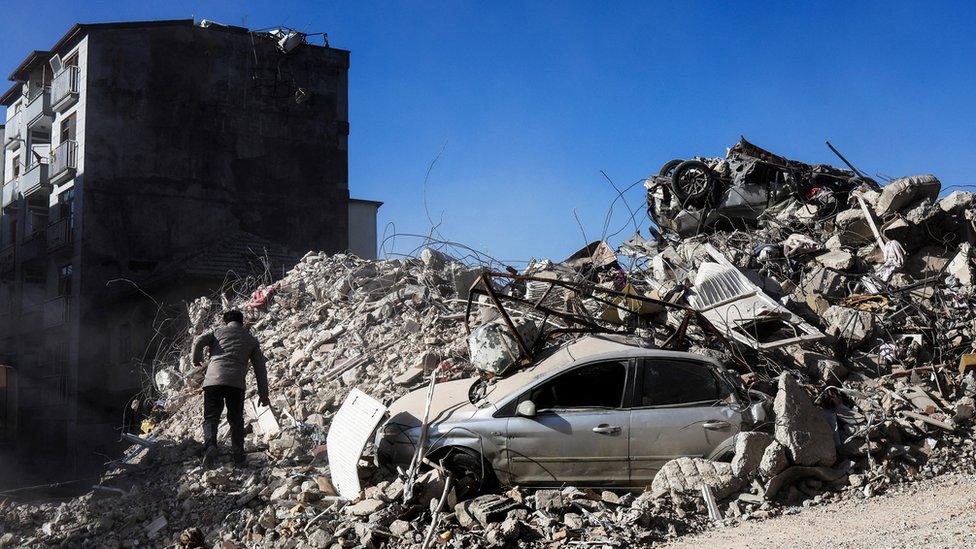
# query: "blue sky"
[[523, 104]]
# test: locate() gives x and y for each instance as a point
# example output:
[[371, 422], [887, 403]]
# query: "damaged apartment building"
[[143, 162]]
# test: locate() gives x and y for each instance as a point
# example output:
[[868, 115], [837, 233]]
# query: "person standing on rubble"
[[232, 346]]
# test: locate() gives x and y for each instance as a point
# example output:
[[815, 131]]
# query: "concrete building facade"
[[144, 161]]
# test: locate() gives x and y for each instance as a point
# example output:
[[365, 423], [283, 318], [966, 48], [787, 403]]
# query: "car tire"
[[668, 168], [724, 452], [692, 180], [472, 474]]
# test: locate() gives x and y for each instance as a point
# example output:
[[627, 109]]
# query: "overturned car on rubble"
[[688, 196], [597, 411]]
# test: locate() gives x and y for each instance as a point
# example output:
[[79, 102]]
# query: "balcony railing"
[[36, 177], [65, 87], [57, 311], [39, 106], [60, 233], [64, 162], [12, 133]]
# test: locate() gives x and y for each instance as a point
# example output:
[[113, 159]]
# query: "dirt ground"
[[940, 512]]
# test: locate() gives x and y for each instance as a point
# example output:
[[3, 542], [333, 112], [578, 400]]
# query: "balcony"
[[57, 311], [12, 137], [64, 162], [11, 192], [38, 111], [65, 88], [35, 179], [60, 234]]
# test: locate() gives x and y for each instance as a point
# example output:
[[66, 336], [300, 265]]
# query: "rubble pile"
[[847, 302]]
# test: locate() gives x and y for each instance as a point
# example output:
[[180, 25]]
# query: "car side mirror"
[[526, 408]]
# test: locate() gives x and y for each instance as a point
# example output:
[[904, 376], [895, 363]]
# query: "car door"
[[580, 432], [680, 408]]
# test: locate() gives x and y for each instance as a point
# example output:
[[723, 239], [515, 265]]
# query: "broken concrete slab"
[[490, 508], [801, 426], [749, 447], [958, 202], [774, 460], [365, 507], [853, 228], [838, 260], [904, 191], [851, 325], [684, 476], [494, 349]]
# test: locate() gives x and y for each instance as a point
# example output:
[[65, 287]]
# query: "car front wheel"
[[471, 474]]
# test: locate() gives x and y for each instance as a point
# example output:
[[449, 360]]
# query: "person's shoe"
[[209, 457], [240, 461]]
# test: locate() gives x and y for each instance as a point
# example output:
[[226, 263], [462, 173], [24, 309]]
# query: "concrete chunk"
[[851, 325], [838, 260], [749, 449], [774, 460], [801, 426], [905, 191], [684, 476], [490, 508], [494, 349], [366, 507], [957, 202], [853, 228]]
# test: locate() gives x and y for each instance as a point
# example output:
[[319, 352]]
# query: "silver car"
[[595, 412]]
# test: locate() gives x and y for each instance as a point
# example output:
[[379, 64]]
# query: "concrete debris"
[[774, 460], [801, 427], [906, 191], [494, 349], [852, 302], [851, 325], [749, 449], [684, 476]]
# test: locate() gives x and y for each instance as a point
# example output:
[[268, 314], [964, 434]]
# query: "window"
[[16, 166], [66, 206], [68, 128], [64, 280], [36, 220], [71, 61], [678, 382], [599, 385]]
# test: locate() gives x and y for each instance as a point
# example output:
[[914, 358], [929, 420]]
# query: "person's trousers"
[[215, 398]]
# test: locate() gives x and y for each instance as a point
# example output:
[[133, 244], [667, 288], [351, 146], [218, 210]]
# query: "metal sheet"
[[265, 422], [741, 311], [351, 428]]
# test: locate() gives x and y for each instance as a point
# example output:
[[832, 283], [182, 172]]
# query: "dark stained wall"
[[192, 134]]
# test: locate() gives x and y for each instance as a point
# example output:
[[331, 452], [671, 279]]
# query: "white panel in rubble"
[[351, 428], [743, 312]]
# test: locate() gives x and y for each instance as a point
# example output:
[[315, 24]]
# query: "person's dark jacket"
[[231, 347]]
